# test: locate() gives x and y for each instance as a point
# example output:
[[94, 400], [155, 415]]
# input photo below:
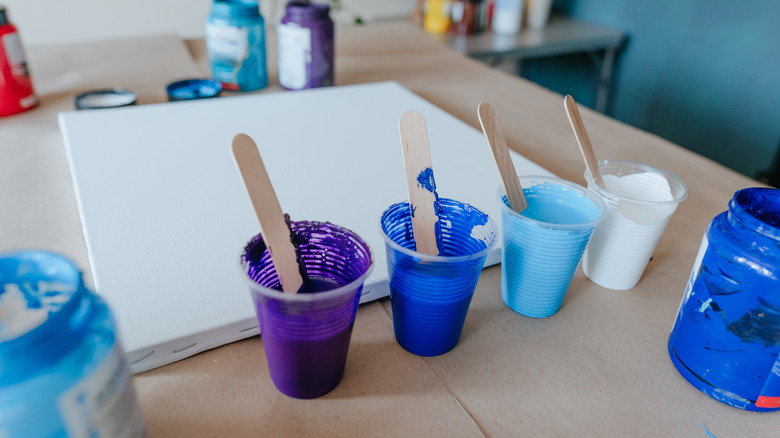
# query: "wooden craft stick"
[[497, 142], [582, 139], [276, 233], [419, 181]]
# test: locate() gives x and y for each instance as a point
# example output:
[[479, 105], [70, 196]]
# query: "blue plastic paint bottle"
[[235, 40], [62, 370], [726, 339]]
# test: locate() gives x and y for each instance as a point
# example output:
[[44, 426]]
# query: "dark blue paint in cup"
[[306, 335], [430, 294]]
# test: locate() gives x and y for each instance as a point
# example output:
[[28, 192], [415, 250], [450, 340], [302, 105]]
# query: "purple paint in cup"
[[306, 335]]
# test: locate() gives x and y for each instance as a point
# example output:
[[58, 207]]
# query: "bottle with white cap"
[[507, 17]]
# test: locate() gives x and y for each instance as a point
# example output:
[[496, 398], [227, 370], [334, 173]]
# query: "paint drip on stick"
[[426, 180]]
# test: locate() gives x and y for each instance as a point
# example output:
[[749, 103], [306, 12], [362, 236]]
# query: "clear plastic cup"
[[543, 244], [430, 294], [306, 335], [537, 13], [640, 200]]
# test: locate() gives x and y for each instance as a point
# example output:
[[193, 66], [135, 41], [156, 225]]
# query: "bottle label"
[[294, 55], [20, 94], [228, 48], [15, 55], [458, 9], [28, 102], [103, 404], [705, 243], [770, 394]]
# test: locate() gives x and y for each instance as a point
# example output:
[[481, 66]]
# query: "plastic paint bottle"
[[437, 16], [62, 370], [507, 17], [306, 46], [235, 40], [726, 339], [468, 17], [465, 17], [16, 88]]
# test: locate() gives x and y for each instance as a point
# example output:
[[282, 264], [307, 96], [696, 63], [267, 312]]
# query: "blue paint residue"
[[707, 431], [437, 226], [456, 224], [759, 325], [426, 181]]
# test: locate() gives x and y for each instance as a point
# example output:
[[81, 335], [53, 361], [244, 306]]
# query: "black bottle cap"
[[3, 16]]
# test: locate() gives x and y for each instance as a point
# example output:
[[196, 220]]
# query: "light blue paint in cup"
[[430, 294], [543, 245]]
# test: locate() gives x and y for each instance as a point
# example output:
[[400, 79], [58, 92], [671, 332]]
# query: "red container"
[[468, 16], [16, 89]]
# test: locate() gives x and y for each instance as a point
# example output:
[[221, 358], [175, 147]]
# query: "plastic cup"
[[430, 294], [537, 13], [306, 335], [640, 200], [544, 243]]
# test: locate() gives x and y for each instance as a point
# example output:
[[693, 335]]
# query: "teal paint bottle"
[[235, 40]]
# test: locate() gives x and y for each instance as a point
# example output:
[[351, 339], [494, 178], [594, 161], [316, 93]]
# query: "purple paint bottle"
[[306, 46]]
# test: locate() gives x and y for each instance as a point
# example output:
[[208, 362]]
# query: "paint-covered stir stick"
[[276, 233], [582, 139], [497, 142], [419, 181]]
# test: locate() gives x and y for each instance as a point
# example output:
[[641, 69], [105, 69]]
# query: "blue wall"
[[704, 74]]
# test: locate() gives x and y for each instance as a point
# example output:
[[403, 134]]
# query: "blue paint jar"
[[62, 370], [726, 338], [235, 41]]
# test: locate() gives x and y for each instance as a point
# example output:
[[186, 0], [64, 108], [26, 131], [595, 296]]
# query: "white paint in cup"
[[640, 201]]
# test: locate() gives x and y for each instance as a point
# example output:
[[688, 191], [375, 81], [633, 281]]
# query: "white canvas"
[[165, 213]]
